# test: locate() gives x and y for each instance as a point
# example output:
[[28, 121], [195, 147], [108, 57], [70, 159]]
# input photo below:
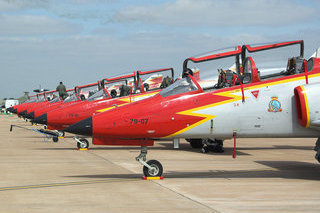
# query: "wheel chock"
[[152, 178], [83, 149], [61, 137]]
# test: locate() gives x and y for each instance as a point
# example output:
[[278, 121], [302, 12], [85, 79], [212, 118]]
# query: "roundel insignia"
[[274, 105]]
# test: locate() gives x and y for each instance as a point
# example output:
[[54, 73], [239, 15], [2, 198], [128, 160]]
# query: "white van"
[[11, 103]]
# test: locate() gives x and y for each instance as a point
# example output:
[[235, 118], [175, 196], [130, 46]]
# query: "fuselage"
[[60, 119], [268, 110]]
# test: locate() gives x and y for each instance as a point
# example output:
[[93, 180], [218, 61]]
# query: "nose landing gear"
[[151, 168], [82, 143]]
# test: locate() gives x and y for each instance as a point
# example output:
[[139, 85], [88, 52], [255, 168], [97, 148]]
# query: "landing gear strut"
[[61, 133], [151, 168], [82, 143]]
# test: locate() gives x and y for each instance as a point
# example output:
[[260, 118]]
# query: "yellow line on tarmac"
[[64, 184]]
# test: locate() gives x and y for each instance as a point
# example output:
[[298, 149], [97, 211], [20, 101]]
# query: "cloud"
[[219, 13], [69, 9], [15, 5], [77, 60], [18, 25]]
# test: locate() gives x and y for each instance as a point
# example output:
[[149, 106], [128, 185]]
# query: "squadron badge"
[[274, 105]]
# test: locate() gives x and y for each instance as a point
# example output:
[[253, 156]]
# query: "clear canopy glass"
[[71, 98], [180, 86], [101, 94]]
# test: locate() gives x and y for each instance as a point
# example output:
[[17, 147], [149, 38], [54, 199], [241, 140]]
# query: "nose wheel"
[[156, 169], [151, 168], [82, 143]]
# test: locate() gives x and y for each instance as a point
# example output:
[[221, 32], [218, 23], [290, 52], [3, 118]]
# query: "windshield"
[[155, 80], [98, 95], [117, 88], [71, 98], [56, 99], [216, 52], [180, 86], [206, 68], [31, 100], [41, 98], [86, 92], [273, 61]]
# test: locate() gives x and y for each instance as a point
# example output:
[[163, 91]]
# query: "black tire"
[[61, 133], [84, 144], [216, 148], [195, 143], [157, 172], [55, 139], [205, 149]]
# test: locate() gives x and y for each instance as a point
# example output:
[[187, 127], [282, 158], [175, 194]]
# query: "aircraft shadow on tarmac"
[[186, 147], [280, 169], [227, 151], [277, 147]]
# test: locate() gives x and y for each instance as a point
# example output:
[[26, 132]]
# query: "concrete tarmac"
[[268, 175]]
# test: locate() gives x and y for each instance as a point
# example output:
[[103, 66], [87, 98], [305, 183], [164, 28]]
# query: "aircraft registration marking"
[[139, 121]]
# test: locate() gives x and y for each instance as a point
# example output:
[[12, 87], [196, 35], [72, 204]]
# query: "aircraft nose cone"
[[23, 113], [83, 127], [30, 115], [42, 119]]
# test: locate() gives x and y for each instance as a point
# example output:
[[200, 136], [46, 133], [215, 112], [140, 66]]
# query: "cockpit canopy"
[[71, 98], [238, 65], [41, 98], [55, 99], [180, 86], [101, 94], [120, 88]]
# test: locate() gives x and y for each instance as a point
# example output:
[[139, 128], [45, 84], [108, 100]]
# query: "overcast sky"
[[43, 42]]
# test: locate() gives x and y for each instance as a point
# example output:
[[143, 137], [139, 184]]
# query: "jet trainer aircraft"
[[31, 99], [54, 102], [246, 104], [74, 96], [49, 100], [112, 94]]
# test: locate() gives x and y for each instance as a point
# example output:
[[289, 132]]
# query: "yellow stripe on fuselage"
[[235, 98], [127, 100]]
